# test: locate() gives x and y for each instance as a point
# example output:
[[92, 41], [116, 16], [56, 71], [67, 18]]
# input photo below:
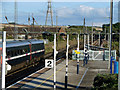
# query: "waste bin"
[[115, 67]]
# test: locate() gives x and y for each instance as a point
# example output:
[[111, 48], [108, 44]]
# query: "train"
[[23, 53]]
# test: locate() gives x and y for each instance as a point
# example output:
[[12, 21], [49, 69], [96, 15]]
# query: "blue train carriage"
[[24, 53]]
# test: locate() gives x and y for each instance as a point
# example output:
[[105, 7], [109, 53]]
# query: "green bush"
[[105, 82], [9, 37], [49, 37]]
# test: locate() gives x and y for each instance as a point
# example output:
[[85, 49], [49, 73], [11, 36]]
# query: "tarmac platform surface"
[[83, 80]]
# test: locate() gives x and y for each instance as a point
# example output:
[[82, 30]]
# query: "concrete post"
[[3, 60], [92, 35], [110, 40], [99, 38], [55, 53], [78, 56], [66, 75]]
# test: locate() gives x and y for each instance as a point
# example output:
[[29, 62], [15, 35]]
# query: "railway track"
[[36, 73], [20, 74]]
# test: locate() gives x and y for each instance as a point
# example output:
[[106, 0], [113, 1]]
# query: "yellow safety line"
[[51, 76]]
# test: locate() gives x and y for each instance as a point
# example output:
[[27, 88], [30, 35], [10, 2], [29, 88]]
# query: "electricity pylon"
[[49, 11]]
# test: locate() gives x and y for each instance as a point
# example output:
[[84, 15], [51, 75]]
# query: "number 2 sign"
[[49, 63]]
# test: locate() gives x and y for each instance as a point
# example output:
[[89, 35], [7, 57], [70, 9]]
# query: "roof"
[[33, 41], [17, 43]]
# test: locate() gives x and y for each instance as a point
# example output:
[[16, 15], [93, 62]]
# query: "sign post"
[[92, 36], [110, 36], [88, 41], [99, 38], [3, 60], [66, 75], [49, 63], [55, 53], [78, 56], [84, 47]]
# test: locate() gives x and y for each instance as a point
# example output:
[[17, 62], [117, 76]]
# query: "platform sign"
[[49, 63], [77, 52]]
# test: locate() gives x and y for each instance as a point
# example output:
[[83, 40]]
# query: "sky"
[[69, 13]]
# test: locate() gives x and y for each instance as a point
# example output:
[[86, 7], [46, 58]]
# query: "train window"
[[16, 53], [25, 50], [12, 53], [35, 47], [21, 51], [8, 54], [38, 46]]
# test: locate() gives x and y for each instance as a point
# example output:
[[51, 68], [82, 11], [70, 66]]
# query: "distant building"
[[98, 28], [35, 28], [34, 31], [61, 30]]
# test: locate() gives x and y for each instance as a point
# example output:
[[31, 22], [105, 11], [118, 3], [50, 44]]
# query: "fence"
[[94, 55]]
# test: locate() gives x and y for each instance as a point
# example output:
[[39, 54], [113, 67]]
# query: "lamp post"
[[110, 35]]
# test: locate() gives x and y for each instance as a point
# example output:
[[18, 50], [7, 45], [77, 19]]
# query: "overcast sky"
[[69, 13]]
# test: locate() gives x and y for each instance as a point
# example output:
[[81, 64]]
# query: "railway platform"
[[43, 79]]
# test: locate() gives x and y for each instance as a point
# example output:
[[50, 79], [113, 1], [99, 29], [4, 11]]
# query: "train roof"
[[16, 43], [34, 41]]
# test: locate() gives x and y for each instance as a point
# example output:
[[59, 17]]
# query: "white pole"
[[66, 75], [88, 41], [92, 34], [55, 52], [110, 40], [88, 48], [3, 59], [105, 33], [15, 21], [84, 47], [84, 34], [99, 38], [78, 42], [84, 40], [78, 56]]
